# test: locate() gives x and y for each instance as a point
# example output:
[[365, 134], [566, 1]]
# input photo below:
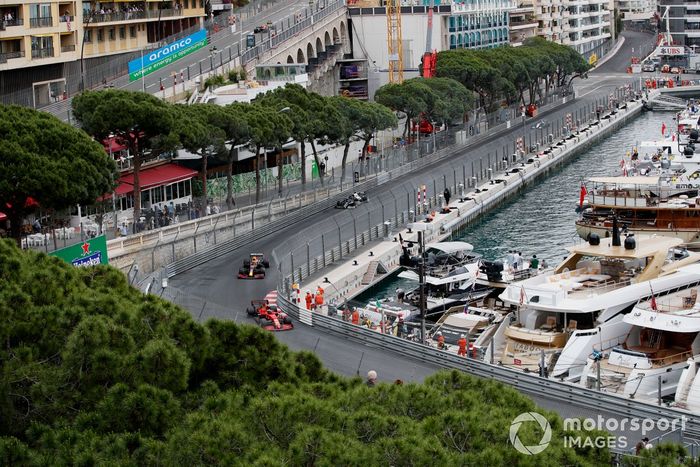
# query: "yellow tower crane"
[[394, 41]]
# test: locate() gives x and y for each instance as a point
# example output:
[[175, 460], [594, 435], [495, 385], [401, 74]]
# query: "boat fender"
[[593, 239], [630, 242]]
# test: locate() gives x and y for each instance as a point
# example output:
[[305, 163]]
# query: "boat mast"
[[421, 278]]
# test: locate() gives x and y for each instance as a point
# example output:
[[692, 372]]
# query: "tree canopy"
[[141, 121], [95, 372], [45, 162], [508, 72]]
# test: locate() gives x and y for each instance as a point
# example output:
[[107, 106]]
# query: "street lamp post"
[[82, 51]]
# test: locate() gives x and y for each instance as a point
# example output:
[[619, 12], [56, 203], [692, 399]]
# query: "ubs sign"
[[164, 56], [672, 51]]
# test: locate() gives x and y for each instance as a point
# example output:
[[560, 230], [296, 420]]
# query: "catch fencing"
[[189, 244]]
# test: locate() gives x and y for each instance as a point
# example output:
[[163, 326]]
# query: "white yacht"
[[451, 269], [663, 334], [562, 314], [477, 323]]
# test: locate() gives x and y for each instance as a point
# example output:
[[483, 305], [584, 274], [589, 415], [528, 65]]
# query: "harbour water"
[[540, 219]]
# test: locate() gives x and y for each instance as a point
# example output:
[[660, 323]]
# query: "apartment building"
[[523, 23], [590, 25], [480, 24], [585, 25], [42, 41], [683, 21], [636, 10]]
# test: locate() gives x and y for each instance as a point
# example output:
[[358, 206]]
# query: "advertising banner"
[[88, 253], [164, 56], [671, 50]]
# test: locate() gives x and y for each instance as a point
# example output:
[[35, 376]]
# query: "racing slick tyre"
[[287, 320], [251, 311], [244, 271], [246, 263], [266, 263]]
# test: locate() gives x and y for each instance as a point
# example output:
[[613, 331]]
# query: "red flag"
[[653, 299], [663, 128], [582, 196]]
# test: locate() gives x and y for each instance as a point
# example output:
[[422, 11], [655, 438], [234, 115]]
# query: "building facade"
[[480, 24], [46, 40], [522, 23], [590, 24], [683, 21], [636, 10]]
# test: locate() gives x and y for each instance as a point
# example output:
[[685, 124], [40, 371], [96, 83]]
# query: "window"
[[201, 3], [157, 194], [145, 197], [88, 35], [100, 35], [187, 4], [111, 34], [122, 32], [132, 31], [169, 193]]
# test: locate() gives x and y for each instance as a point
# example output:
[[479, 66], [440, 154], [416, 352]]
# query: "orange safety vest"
[[355, 317], [319, 299], [441, 342], [308, 300]]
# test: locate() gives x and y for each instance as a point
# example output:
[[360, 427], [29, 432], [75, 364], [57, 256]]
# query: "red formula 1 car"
[[254, 268], [269, 317]]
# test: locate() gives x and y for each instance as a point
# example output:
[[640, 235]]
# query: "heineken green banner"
[[88, 253]]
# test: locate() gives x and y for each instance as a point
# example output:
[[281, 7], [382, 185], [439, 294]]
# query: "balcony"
[[134, 15], [4, 24], [42, 53], [4, 57], [68, 48], [41, 22]]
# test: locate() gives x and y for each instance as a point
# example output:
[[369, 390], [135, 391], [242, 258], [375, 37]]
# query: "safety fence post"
[[369, 225], [323, 248], [308, 259], [252, 219], [354, 230], [340, 244]]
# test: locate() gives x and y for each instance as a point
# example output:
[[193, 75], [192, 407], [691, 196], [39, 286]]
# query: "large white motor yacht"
[[561, 316], [664, 333]]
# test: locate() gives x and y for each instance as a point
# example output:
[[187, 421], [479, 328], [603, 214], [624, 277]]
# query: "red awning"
[[155, 176], [111, 145]]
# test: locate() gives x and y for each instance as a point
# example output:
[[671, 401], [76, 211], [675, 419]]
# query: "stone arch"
[[336, 36], [310, 51], [290, 59], [319, 46], [327, 40], [343, 33], [300, 56]]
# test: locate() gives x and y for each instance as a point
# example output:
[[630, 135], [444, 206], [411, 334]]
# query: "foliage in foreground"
[[94, 372]]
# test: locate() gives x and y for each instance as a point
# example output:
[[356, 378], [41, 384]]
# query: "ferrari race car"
[[269, 317], [254, 268], [352, 200]]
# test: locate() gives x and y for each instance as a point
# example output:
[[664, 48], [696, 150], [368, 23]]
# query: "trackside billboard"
[[88, 253], [166, 55]]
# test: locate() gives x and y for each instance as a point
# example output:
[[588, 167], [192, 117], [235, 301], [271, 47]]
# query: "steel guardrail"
[[528, 383]]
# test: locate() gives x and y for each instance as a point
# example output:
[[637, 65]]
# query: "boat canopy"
[[646, 246], [451, 247], [626, 181]]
